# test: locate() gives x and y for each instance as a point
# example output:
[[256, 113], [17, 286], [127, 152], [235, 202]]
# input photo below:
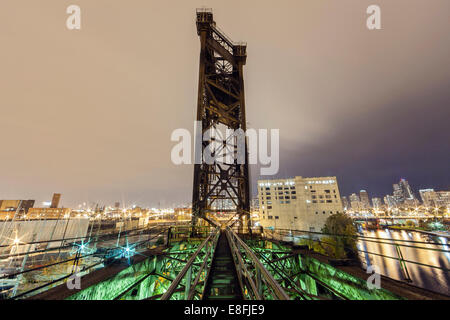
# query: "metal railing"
[[190, 285], [104, 255], [252, 275], [309, 237]]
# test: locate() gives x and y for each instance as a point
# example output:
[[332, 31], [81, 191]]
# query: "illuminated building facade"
[[298, 203]]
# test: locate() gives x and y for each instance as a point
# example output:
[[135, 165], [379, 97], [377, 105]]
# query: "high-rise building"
[[13, 205], [298, 203], [406, 189], [55, 200], [403, 194], [355, 203], [433, 198], [376, 203], [398, 196], [443, 199], [428, 197], [345, 203], [390, 201], [364, 198]]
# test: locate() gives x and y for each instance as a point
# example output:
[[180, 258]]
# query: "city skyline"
[[368, 108]]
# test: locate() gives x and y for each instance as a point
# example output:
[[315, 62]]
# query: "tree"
[[410, 224], [340, 241]]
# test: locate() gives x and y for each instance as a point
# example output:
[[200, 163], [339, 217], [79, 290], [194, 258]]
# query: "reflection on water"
[[422, 276]]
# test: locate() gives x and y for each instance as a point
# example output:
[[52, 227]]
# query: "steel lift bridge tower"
[[220, 105]]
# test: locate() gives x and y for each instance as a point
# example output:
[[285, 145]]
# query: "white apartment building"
[[298, 203]]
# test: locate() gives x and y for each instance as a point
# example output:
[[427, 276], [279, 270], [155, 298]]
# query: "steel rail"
[[272, 283], [78, 238], [67, 260], [101, 239], [241, 268], [83, 269], [205, 261], [180, 276]]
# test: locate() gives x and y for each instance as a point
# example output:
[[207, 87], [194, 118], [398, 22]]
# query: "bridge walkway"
[[222, 282]]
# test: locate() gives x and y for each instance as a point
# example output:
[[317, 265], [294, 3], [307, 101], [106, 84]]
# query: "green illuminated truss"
[[181, 271], [306, 278], [150, 278]]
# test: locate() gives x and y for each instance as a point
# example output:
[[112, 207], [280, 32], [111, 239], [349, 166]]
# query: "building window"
[[293, 192], [314, 201], [331, 212], [317, 212], [329, 201], [276, 217], [270, 217], [327, 191], [294, 197], [269, 207], [268, 198], [313, 197]]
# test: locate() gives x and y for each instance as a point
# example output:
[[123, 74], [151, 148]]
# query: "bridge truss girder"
[[220, 186]]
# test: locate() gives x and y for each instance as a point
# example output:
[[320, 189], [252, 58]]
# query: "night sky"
[[89, 113]]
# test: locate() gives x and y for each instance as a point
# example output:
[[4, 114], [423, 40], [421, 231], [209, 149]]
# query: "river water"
[[423, 276]]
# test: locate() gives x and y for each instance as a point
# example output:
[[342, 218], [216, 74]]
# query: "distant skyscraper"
[[428, 197], [403, 194], [364, 198], [406, 189], [55, 200], [390, 201], [398, 194], [443, 199], [345, 203], [433, 198], [376, 203], [355, 203]]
